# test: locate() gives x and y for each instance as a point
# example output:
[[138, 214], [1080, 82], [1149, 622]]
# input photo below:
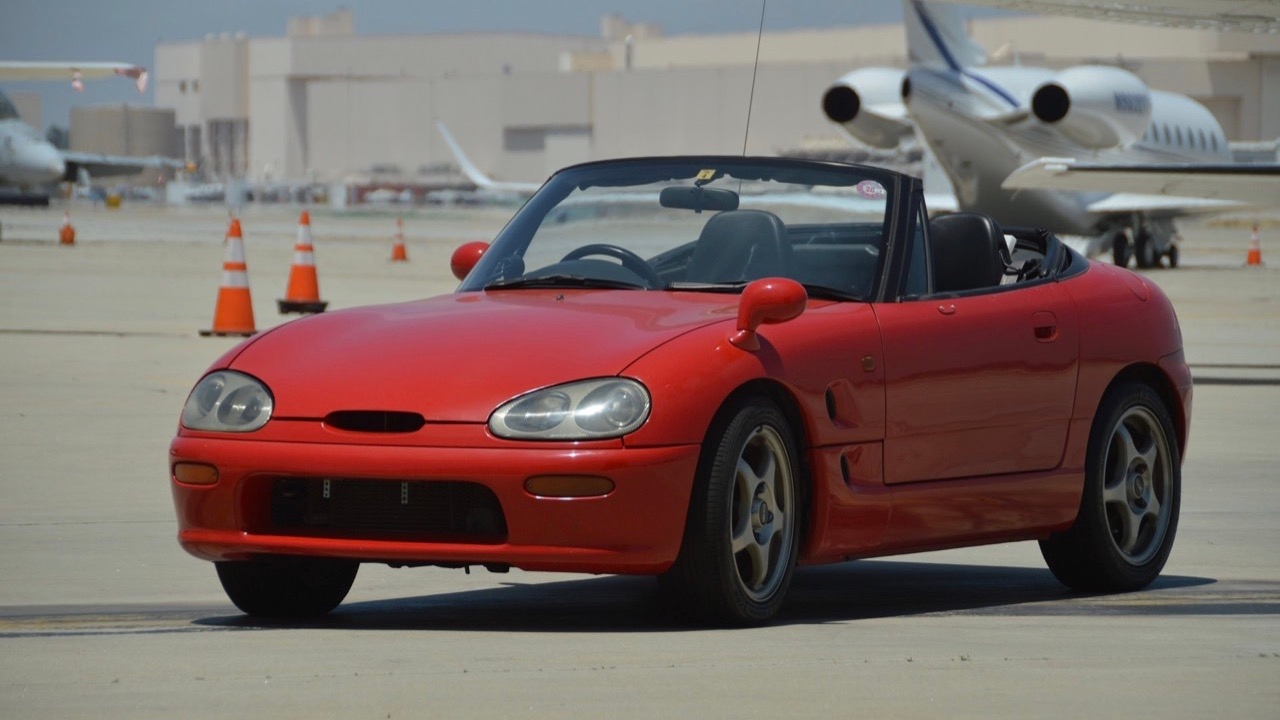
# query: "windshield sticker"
[[705, 175], [870, 189]]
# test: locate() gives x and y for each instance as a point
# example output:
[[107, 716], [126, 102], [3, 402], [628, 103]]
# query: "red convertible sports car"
[[709, 370]]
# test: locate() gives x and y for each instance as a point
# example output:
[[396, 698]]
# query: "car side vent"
[[375, 421]]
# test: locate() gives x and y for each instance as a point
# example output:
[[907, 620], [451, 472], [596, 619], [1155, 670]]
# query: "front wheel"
[[282, 587], [742, 535], [1132, 491]]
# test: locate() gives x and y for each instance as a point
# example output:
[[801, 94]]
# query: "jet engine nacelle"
[[867, 104], [1099, 107]]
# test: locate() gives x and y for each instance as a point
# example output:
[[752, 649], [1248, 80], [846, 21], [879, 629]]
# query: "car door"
[[978, 384]]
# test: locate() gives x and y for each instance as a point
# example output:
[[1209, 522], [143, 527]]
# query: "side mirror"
[[466, 257], [766, 301]]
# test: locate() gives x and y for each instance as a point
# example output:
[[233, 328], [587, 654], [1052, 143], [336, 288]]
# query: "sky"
[[129, 30]]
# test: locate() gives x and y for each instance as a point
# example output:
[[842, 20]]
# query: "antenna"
[[755, 70]]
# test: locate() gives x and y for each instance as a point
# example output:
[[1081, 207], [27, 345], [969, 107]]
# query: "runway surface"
[[102, 615]]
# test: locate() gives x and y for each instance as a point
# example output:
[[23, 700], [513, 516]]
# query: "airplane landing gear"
[[1146, 251], [1120, 251]]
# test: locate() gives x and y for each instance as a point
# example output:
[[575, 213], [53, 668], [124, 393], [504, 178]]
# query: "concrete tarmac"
[[103, 616]]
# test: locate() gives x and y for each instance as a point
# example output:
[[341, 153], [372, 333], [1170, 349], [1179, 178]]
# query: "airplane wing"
[[473, 173], [1258, 16], [75, 72], [113, 165], [1239, 183]]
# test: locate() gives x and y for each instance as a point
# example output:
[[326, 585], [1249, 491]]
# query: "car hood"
[[455, 358]]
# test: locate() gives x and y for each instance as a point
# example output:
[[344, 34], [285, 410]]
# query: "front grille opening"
[[426, 509], [375, 421]]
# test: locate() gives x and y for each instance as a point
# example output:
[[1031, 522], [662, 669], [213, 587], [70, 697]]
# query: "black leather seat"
[[969, 252], [740, 245]]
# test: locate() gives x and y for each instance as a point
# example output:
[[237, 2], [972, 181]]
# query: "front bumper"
[[637, 528]]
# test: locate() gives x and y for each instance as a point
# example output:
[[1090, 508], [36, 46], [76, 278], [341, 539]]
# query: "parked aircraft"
[[983, 123], [29, 162], [492, 190]]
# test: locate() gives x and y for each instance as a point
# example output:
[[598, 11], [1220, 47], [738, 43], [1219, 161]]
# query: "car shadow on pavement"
[[833, 593]]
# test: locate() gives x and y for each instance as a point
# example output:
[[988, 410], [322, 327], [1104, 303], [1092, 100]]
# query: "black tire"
[[1120, 250], [742, 536], [1132, 492], [1145, 251], [287, 587], [1173, 256]]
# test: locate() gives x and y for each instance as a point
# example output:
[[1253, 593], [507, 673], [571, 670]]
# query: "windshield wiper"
[[563, 281], [814, 291], [723, 287]]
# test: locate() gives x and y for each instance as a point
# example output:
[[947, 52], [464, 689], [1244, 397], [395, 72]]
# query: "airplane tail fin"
[[936, 36], [464, 163]]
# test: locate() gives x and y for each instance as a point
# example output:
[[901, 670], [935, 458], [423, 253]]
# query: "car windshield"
[[708, 224]]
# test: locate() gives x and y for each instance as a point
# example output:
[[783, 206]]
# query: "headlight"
[[583, 410], [227, 401]]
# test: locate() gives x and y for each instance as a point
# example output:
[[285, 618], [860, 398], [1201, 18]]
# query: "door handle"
[[1044, 326]]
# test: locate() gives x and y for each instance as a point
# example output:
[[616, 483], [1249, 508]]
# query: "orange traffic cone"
[[303, 293], [398, 253], [233, 313], [1255, 249], [67, 234]]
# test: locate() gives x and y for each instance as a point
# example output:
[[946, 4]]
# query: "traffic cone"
[[1255, 249], [233, 313], [303, 293], [398, 253], [67, 234]]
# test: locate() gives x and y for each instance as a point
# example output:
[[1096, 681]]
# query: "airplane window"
[[1214, 137], [1178, 132], [1168, 140], [1203, 145]]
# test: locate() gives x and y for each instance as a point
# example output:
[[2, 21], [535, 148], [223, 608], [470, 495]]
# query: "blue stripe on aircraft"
[[936, 38]]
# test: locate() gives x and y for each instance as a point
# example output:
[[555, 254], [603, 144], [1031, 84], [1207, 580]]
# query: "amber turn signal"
[[568, 485], [195, 473]]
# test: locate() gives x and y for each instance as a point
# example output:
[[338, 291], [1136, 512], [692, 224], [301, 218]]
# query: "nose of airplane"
[[42, 161], [50, 159]]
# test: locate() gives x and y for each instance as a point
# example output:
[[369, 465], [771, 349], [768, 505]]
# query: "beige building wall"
[[28, 106], [325, 104]]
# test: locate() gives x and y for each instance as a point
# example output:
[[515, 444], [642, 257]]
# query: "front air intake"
[[375, 421]]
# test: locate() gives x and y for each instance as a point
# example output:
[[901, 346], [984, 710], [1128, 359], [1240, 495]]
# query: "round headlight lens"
[[615, 407], [227, 401], [583, 410]]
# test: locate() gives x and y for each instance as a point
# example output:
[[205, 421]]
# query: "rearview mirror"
[[698, 198]]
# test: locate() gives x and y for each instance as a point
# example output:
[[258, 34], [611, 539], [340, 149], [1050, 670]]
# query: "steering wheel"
[[629, 260]]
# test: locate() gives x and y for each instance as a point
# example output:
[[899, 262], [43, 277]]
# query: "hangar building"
[[326, 104]]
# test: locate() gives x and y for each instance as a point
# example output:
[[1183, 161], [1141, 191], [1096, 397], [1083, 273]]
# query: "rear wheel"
[[287, 586], [742, 536], [1129, 510]]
